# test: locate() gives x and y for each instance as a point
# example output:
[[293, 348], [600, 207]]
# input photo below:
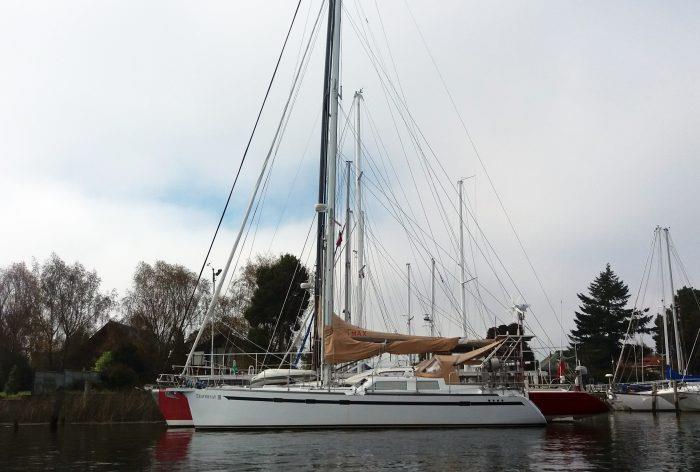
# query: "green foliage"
[[277, 295], [105, 360], [602, 322], [12, 385], [121, 367]]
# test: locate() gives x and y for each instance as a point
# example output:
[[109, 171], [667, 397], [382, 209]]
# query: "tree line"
[[50, 311], [603, 318]]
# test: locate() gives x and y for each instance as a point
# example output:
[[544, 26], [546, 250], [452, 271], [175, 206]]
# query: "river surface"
[[620, 441]]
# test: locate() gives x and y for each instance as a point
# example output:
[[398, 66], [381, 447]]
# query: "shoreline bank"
[[132, 406]]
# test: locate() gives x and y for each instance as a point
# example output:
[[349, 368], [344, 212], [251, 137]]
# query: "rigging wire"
[[482, 164], [245, 154]]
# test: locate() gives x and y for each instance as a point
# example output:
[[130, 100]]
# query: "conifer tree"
[[601, 323], [277, 301]]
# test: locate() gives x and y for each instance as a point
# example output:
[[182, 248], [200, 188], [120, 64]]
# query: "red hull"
[[560, 403], [174, 407]]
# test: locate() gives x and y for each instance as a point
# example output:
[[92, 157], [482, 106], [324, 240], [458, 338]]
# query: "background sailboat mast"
[[432, 296], [664, 317], [348, 246], [674, 311], [409, 318], [463, 283], [360, 214], [334, 6]]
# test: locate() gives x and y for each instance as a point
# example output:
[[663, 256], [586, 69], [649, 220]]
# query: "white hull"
[[643, 401], [688, 398], [257, 408]]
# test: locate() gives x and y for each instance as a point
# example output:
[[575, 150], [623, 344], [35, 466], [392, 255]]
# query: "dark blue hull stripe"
[[314, 401]]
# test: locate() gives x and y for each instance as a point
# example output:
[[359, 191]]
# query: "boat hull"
[[688, 398], [643, 401], [689, 401], [282, 409], [174, 407], [567, 403]]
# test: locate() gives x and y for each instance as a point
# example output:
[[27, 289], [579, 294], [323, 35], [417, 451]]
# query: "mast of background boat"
[[409, 318], [348, 254], [359, 304], [674, 311], [432, 297], [214, 273], [463, 283], [334, 6], [316, 343], [664, 316]]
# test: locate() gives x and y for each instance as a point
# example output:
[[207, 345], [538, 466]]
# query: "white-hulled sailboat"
[[676, 392], [426, 398]]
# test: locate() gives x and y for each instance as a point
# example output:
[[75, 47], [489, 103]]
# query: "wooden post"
[[675, 396], [653, 397]]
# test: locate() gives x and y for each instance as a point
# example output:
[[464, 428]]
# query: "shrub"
[[118, 376], [13, 385], [105, 360]]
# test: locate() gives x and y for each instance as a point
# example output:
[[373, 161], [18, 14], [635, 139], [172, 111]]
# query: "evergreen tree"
[[277, 302], [602, 322]]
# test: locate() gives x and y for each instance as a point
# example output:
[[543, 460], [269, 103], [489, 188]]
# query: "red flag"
[[340, 240], [561, 368]]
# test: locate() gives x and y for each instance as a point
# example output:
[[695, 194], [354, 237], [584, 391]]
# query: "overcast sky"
[[123, 123]]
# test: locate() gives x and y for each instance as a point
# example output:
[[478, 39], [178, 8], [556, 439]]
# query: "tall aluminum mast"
[[328, 269], [674, 309], [463, 283], [664, 317], [360, 215], [316, 343], [408, 286], [432, 297], [348, 246]]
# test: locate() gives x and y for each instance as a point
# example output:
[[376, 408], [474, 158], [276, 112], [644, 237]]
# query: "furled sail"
[[344, 342]]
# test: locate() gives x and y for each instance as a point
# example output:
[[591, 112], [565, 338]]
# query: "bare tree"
[[72, 305], [19, 307], [159, 303]]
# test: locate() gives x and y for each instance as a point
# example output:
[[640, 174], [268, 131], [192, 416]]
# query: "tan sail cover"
[[476, 353], [344, 342], [438, 367], [441, 366]]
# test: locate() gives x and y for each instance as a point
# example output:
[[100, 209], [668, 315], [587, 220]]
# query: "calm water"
[[622, 441]]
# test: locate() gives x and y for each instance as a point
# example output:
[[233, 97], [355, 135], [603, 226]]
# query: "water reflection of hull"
[[566, 403], [174, 407], [173, 445]]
